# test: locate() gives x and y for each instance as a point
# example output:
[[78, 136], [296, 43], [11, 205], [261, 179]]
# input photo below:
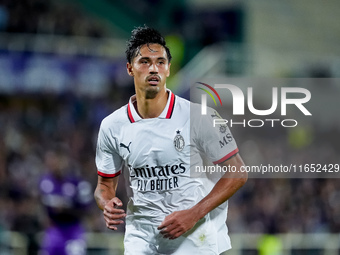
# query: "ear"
[[168, 73], [129, 69]]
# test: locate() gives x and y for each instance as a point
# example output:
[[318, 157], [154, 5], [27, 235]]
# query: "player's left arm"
[[177, 223]]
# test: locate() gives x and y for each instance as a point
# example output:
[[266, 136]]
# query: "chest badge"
[[179, 141]]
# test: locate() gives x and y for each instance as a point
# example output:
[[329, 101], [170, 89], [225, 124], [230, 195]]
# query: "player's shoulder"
[[181, 103], [197, 113], [181, 100], [194, 108], [116, 119]]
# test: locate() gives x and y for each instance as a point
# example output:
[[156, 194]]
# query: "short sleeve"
[[108, 161], [214, 138]]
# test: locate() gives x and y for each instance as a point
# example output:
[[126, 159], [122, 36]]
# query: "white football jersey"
[[158, 156]]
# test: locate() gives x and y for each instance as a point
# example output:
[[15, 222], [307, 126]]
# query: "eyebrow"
[[147, 58]]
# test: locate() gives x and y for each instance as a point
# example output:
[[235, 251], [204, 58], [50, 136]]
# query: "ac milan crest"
[[179, 141]]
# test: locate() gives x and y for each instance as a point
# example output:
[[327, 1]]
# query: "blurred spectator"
[[27, 221], [66, 196], [47, 17], [3, 17]]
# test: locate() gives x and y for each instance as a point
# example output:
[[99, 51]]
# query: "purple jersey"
[[65, 240], [65, 200]]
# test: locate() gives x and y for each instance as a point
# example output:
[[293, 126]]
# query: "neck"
[[151, 107]]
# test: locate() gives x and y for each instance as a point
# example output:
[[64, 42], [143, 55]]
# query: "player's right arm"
[[105, 196]]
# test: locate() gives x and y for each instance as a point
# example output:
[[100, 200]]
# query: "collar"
[[166, 114]]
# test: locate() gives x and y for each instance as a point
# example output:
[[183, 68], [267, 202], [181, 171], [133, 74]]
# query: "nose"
[[153, 68]]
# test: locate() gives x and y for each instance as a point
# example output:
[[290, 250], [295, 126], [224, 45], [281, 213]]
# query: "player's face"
[[150, 68], [56, 163]]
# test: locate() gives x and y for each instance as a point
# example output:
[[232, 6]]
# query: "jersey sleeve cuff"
[[226, 157], [109, 175]]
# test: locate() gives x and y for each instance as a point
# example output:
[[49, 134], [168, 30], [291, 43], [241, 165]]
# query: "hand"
[[177, 223], [112, 214]]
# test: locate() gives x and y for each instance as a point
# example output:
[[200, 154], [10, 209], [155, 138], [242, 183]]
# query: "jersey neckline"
[[166, 113]]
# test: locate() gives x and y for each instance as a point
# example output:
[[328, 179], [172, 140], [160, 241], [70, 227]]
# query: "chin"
[[151, 92]]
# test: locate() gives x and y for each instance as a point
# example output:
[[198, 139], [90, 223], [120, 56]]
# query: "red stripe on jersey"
[[171, 106], [130, 114], [109, 175], [227, 156]]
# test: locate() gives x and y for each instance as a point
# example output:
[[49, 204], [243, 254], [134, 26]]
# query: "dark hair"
[[141, 36]]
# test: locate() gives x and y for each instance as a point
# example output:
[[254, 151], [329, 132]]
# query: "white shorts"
[[145, 239]]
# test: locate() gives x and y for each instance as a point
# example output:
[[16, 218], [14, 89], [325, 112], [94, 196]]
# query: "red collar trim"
[[171, 106], [167, 112], [130, 114]]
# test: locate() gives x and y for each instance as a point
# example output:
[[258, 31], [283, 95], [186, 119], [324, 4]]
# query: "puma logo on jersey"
[[126, 147]]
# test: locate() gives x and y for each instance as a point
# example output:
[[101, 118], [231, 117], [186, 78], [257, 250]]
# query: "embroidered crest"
[[223, 128], [179, 141]]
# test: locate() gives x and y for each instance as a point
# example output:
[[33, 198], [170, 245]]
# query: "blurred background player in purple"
[[66, 197]]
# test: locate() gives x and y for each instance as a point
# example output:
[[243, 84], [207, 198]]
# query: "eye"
[[143, 61]]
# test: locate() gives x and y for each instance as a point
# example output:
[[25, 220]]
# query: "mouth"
[[153, 80]]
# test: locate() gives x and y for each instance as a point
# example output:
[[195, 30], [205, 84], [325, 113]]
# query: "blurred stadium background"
[[62, 69]]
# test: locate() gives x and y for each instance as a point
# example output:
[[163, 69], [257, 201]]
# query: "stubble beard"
[[151, 92]]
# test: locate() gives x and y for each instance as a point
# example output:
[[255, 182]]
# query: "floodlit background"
[[63, 69]]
